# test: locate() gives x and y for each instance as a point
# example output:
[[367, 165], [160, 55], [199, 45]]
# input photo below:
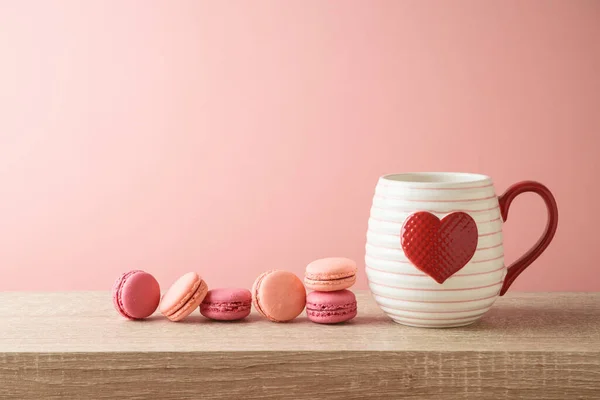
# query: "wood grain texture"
[[74, 345]]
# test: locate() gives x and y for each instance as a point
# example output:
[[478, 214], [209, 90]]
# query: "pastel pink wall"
[[235, 137]]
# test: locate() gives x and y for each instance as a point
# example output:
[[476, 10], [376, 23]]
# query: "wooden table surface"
[[74, 345]]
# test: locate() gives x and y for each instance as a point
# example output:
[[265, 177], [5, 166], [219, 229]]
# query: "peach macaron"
[[183, 297], [278, 295], [330, 274]]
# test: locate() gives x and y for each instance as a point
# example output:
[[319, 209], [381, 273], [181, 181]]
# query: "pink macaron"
[[136, 294], [331, 307], [278, 295], [330, 274], [183, 297], [226, 304]]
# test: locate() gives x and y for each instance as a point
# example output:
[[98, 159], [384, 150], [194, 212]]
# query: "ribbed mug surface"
[[405, 293]]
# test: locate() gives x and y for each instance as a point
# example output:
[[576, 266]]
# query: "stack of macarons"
[[136, 295], [330, 302]]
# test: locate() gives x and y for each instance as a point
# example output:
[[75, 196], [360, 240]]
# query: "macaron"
[[331, 307], [183, 297], [226, 304], [330, 274], [136, 294], [278, 295]]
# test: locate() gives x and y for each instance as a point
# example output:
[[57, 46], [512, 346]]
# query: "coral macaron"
[[183, 297], [331, 307], [136, 294], [330, 274], [226, 304], [278, 295]]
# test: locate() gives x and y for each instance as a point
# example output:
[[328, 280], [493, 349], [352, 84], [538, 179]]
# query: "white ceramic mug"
[[404, 285]]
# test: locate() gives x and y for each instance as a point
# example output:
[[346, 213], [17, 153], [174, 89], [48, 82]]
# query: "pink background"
[[235, 137]]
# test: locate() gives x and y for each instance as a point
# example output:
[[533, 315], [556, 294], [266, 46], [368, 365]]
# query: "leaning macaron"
[[226, 304], [331, 307], [330, 274], [183, 297], [136, 294], [278, 295]]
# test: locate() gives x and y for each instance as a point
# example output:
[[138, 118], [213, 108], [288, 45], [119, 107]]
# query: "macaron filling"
[[326, 310], [329, 277], [227, 306], [313, 281]]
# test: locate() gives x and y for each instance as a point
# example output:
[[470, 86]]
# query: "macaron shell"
[[330, 300], [140, 295], [279, 295], [221, 295], [227, 304], [331, 307], [330, 274], [331, 268], [136, 295], [330, 285]]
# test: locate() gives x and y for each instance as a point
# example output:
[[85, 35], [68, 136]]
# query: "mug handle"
[[515, 269]]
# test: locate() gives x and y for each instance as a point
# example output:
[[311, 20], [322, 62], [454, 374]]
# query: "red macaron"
[[226, 304], [136, 294], [331, 307]]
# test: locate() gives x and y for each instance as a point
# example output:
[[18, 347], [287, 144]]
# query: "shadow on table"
[[302, 319]]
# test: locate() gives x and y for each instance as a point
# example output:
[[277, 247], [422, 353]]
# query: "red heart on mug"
[[437, 247]]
